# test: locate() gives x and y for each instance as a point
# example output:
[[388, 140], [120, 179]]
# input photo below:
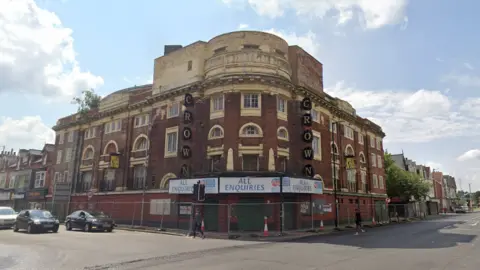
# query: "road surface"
[[449, 243]]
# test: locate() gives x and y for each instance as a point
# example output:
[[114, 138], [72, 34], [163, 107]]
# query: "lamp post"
[[334, 129], [470, 196], [147, 159]]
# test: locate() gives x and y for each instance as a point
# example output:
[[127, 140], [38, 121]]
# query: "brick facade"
[[293, 76]]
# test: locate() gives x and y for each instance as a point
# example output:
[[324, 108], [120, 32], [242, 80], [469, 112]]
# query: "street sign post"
[[90, 194]]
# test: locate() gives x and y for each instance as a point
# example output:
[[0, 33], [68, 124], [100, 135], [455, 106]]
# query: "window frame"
[[173, 110], [171, 152], [39, 183]]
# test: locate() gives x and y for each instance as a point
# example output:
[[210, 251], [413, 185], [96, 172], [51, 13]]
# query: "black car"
[[36, 221], [89, 221]]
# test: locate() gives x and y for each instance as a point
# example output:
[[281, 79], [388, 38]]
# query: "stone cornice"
[[320, 98]]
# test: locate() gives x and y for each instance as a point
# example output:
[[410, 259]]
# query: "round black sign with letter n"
[[308, 171]]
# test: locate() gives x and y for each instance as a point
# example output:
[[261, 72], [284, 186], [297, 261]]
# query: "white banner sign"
[[4, 196], [18, 196], [249, 184], [185, 186], [299, 185]]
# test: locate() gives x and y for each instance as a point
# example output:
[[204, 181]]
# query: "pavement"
[[275, 235], [447, 243]]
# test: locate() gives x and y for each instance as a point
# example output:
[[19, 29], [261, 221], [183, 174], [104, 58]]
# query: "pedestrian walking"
[[197, 224], [358, 221]]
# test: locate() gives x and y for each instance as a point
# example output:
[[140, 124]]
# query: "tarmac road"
[[449, 243], [80, 250]]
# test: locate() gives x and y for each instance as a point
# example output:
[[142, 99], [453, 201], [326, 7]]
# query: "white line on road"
[[474, 224]]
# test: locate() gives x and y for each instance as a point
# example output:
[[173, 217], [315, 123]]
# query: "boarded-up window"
[[160, 207]]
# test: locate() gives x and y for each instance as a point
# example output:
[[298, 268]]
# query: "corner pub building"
[[246, 114]]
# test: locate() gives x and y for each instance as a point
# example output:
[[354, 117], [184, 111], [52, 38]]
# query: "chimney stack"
[[171, 48]]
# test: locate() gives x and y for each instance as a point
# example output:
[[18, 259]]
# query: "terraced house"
[[24, 177], [244, 112]]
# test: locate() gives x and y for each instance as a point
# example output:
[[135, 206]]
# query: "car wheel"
[[15, 228], [109, 230], [29, 229], [68, 226], [87, 228], [55, 230]]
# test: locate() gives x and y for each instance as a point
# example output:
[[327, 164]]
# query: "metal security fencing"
[[240, 218]]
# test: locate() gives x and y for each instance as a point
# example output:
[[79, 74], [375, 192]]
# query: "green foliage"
[[476, 197], [403, 184], [87, 101]]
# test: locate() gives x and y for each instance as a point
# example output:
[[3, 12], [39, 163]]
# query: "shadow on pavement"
[[404, 237]]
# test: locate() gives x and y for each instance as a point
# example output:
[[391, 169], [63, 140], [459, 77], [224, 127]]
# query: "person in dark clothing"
[[197, 224], [358, 221]]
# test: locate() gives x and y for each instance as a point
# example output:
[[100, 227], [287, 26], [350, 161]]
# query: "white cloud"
[[471, 106], [373, 14], [434, 165], [243, 26], [308, 42], [37, 55], [409, 116], [27, 132], [469, 155]]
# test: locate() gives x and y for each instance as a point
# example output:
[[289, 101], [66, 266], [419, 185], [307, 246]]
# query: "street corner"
[[150, 230]]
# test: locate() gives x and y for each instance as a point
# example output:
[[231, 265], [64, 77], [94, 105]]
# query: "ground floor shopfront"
[[234, 204], [5, 198]]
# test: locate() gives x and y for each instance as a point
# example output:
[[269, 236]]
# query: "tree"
[[88, 101], [476, 197], [403, 184]]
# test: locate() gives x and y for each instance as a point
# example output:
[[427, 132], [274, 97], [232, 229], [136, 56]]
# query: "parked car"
[[36, 220], [461, 209], [89, 221], [7, 217]]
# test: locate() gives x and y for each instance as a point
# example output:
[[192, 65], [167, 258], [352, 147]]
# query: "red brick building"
[[438, 188], [25, 177], [245, 125]]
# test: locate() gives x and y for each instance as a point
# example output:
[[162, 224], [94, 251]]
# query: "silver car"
[[7, 217]]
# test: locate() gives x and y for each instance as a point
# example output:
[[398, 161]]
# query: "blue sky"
[[411, 66]]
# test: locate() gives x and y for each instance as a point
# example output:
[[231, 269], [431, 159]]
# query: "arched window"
[[251, 130], [88, 153], [349, 150], [282, 133], [362, 158], [164, 183], [141, 143], [334, 149], [111, 147], [216, 132]]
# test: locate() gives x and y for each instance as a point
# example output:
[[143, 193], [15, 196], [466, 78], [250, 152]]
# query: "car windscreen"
[[98, 214], [6, 211], [40, 214]]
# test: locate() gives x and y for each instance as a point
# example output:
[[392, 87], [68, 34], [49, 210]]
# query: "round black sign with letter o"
[[307, 136], [187, 133]]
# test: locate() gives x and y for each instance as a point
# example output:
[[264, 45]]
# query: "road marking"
[[474, 224]]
